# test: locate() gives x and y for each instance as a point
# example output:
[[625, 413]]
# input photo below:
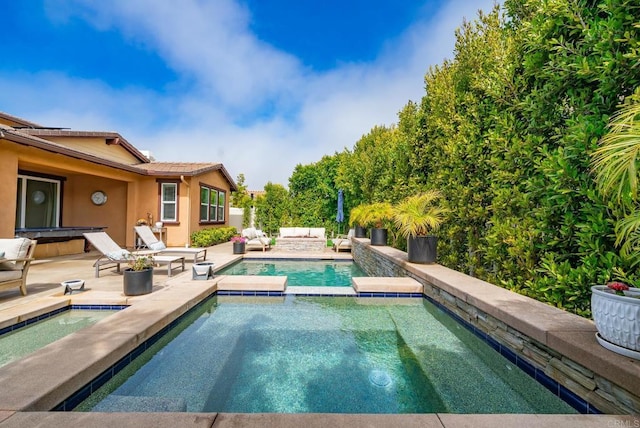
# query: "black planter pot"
[[422, 249], [137, 282], [360, 232], [378, 236], [239, 248]]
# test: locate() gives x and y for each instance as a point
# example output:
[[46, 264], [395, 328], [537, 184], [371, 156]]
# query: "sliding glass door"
[[38, 202]]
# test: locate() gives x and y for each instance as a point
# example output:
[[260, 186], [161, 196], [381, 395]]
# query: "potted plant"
[[377, 216], [615, 308], [138, 277], [356, 220], [239, 244], [416, 218]]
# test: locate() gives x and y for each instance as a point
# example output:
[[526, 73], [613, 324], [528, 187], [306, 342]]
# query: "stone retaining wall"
[[559, 344], [301, 244]]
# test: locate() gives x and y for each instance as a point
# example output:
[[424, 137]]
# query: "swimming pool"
[[27, 337], [327, 355], [328, 273]]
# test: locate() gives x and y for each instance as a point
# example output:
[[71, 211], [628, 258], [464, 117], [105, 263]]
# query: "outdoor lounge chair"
[[256, 239], [112, 254], [151, 242], [343, 242], [16, 257]]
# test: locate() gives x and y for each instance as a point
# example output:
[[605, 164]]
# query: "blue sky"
[[259, 85]]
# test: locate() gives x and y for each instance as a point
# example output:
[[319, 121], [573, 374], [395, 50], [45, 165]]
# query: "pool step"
[[378, 284], [321, 291], [252, 283]]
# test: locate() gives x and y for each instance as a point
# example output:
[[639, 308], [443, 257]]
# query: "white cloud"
[[229, 76]]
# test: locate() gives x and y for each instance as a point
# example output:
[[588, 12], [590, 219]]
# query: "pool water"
[[331, 355], [300, 273], [23, 341]]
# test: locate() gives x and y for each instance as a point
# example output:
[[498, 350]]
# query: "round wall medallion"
[[98, 197], [38, 197]]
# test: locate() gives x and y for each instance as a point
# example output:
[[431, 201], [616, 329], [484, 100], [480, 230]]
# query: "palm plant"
[[419, 215], [615, 164], [356, 216], [378, 214]]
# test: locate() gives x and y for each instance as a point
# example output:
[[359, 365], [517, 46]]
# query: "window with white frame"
[[38, 202], [211, 204], [169, 202]]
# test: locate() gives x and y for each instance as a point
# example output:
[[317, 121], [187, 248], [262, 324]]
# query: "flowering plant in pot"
[[417, 217], [138, 276], [239, 244], [615, 308]]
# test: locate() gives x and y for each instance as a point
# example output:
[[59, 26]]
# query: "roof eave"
[[45, 145]]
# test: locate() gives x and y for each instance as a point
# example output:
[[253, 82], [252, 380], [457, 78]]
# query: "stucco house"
[[59, 183]]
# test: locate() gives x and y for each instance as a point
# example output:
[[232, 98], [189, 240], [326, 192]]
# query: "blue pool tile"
[[509, 354], [526, 367], [77, 398], [104, 377], [547, 382], [573, 400], [493, 343], [481, 334]]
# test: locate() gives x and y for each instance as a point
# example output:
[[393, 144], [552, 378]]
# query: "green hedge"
[[212, 236]]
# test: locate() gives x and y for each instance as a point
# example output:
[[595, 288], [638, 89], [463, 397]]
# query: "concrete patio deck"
[[32, 386]]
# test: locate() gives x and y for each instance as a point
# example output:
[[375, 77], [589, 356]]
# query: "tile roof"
[[18, 120], [37, 138], [191, 168], [185, 168], [118, 139]]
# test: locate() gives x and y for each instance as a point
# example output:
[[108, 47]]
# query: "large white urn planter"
[[617, 319]]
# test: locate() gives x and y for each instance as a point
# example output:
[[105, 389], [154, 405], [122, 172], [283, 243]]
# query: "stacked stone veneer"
[[559, 344], [301, 244]]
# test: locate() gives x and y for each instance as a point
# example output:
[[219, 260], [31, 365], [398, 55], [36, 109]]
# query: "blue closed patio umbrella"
[[340, 213]]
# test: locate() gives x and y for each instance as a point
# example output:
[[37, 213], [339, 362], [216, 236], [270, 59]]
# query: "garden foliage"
[[505, 131], [212, 236]]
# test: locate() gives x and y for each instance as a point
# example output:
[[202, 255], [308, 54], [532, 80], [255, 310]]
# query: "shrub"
[[212, 236]]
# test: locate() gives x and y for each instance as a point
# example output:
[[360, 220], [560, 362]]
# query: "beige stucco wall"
[[8, 178], [98, 147], [78, 210], [81, 179], [130, 196], [178, 234]]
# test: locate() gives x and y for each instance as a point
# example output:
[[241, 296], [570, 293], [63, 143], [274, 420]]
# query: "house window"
[[38, 202], [211, 204], [221, 199], [169, 202]]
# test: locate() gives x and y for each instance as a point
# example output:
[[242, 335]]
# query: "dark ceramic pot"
[[360, 232], [239, 248], [378, 236], [422, 249], [137, 282]]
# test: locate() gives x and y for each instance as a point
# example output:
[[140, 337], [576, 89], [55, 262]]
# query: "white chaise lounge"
[[151, 242], [112, 254]]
